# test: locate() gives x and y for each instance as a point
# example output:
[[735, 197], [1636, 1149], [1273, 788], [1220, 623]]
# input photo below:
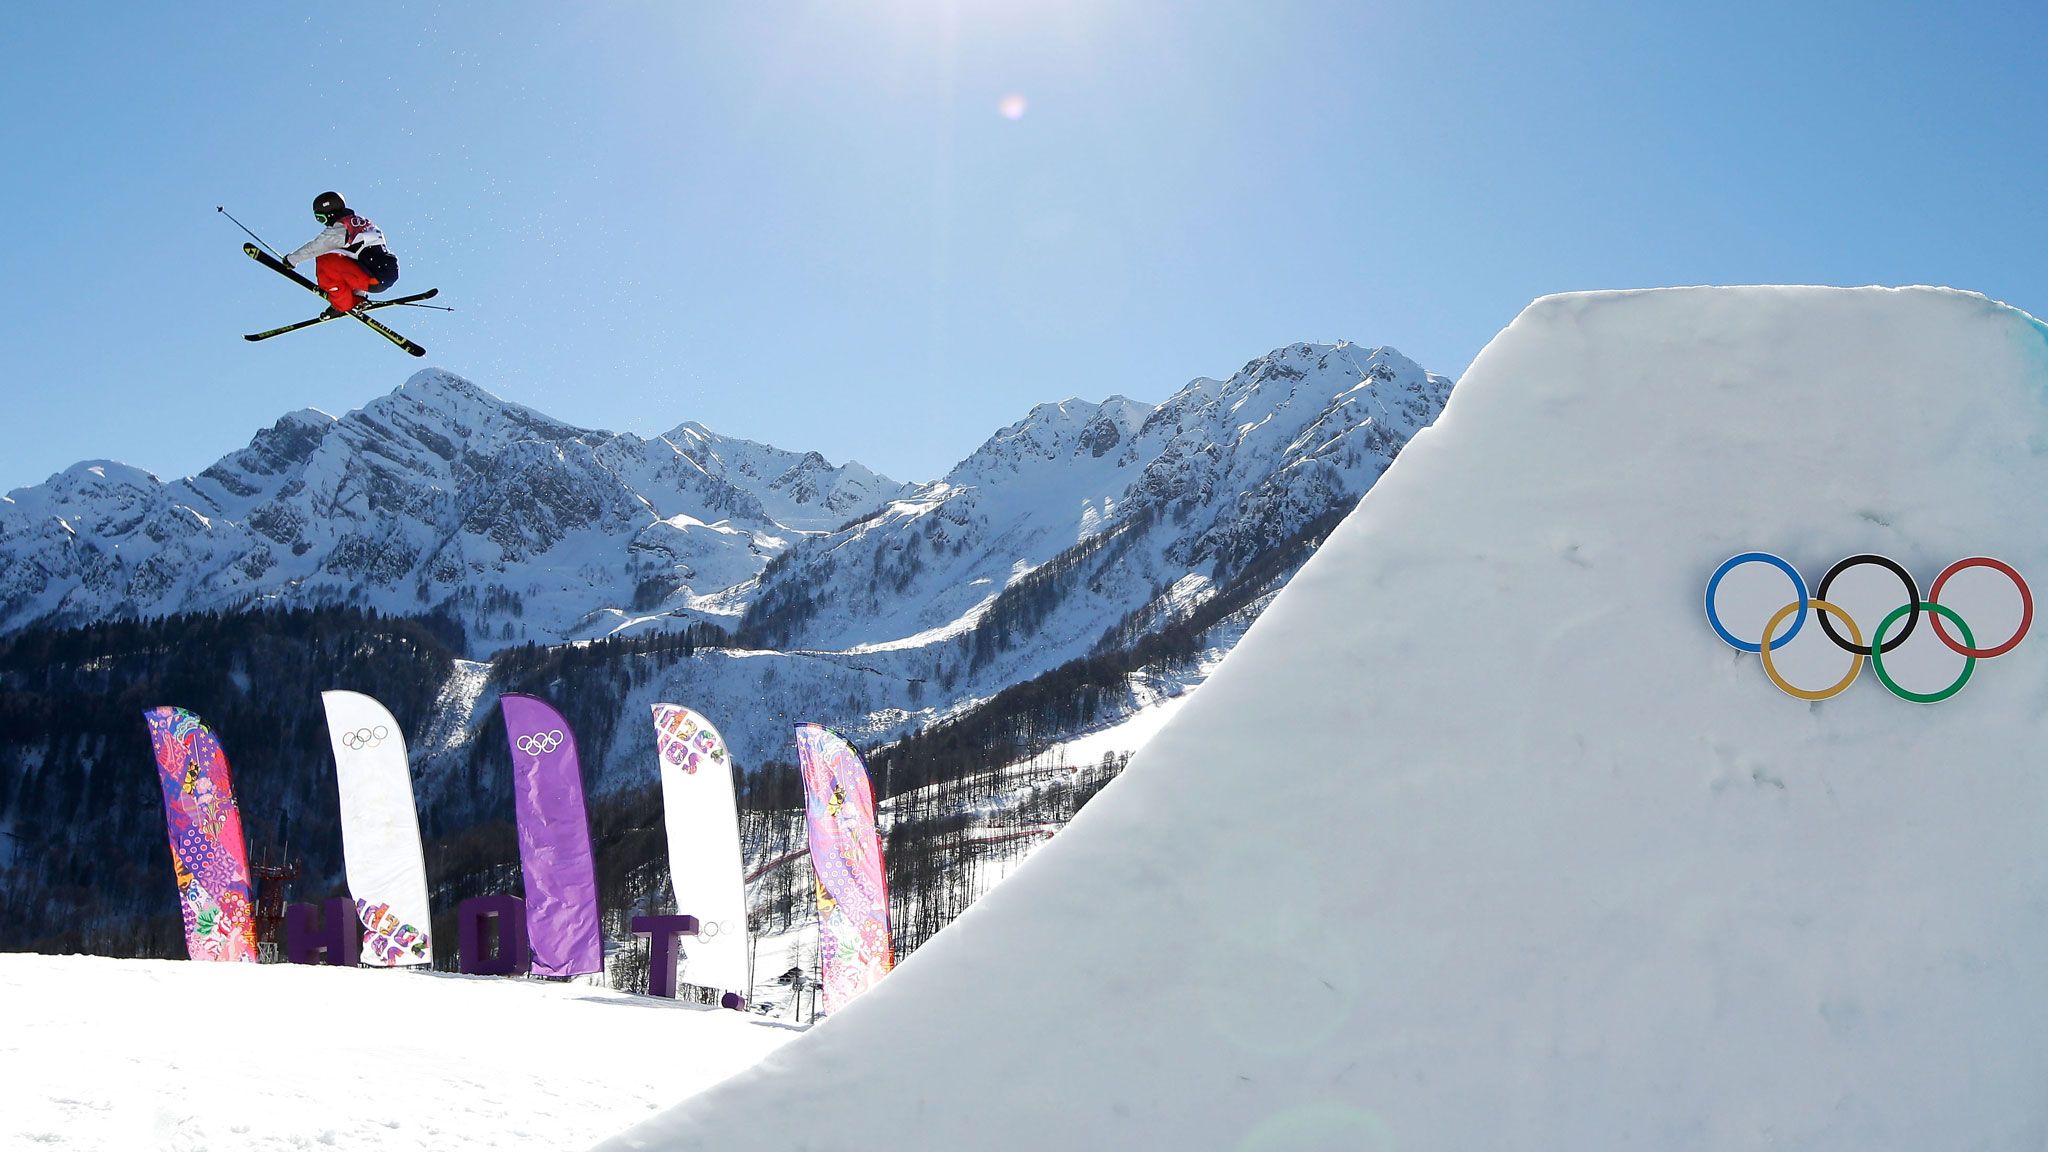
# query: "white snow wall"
[[1481, 839]]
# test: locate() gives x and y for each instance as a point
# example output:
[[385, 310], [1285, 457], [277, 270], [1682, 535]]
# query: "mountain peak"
[[102, 473], [1073, 408], [1306, 352], [429, 384], [1050, 433]]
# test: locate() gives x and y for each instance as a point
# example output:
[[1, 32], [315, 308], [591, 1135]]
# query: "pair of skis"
[[361, 312]]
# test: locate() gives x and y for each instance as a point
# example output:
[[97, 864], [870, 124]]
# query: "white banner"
[[380, 831], [704, 847]]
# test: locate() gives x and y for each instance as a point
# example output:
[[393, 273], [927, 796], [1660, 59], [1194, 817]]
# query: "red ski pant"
[[341, 278]]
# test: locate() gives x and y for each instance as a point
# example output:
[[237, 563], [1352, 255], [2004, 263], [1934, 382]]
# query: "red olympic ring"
[[2026, 607]]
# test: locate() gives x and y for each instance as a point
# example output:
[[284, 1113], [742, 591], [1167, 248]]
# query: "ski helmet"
[[329, 207]]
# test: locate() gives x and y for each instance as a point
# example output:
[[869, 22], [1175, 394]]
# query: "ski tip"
[[415, 349], [252, 339]]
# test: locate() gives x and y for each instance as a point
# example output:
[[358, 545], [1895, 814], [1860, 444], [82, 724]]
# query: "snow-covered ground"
[[1124, 737], [1482, 839], [165, 1056]]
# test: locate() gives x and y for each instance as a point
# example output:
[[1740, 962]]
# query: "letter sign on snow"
[[504, 917], [662, 932], [309, 941]]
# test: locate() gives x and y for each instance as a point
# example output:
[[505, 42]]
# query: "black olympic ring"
[[363, 738], [541, 743], [1889, 565]]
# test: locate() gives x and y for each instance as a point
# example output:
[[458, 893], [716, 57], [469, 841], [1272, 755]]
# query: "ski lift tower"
[[271, 876]]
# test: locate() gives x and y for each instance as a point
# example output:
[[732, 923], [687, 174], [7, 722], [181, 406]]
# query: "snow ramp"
[[1483, 839]]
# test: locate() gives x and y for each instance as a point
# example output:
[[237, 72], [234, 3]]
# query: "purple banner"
[[554, 839], [854, 949]]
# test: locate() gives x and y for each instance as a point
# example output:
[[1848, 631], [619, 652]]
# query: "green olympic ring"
[[1877, 653]]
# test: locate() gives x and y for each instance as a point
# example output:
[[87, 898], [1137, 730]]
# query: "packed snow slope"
[[1481, 839], [125, 1055]]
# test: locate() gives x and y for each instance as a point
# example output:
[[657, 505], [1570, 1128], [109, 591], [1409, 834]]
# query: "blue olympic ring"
[[1798, 581]]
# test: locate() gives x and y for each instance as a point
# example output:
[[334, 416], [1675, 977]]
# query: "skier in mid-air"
[[353, 260]]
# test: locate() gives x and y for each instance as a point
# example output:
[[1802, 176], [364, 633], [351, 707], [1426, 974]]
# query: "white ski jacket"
[[347, 236]]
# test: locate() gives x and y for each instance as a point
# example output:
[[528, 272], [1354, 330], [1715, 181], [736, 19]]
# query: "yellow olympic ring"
[[1855, 640]]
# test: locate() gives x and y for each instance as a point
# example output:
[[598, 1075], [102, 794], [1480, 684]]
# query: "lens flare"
[[1329, 1126], [1013, 106]]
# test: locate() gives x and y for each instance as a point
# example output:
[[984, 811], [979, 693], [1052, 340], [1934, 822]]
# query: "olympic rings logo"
[[363, 738], [541, 743], [1782, 609]]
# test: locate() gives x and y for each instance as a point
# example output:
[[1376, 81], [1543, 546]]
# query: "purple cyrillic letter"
[[507, 917], [662, 932], [308, 941]]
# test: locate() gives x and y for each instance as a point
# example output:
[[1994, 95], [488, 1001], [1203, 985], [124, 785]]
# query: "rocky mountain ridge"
[[440, 498]]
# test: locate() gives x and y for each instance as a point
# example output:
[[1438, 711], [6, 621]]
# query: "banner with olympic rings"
[[380, 831], [1813, 644], [554, 839]]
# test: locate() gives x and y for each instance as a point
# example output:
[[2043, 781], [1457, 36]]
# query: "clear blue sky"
[[810, 223]]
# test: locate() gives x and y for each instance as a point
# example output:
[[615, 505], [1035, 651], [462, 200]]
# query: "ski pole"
[[252, 235], [435, 307]]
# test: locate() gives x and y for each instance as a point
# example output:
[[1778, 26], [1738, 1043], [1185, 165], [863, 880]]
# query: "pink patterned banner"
[[206, 838], [854, 949]]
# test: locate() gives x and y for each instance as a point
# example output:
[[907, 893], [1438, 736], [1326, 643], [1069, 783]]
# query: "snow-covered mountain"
[[436, 496], [440, 497], [1090, 513]]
